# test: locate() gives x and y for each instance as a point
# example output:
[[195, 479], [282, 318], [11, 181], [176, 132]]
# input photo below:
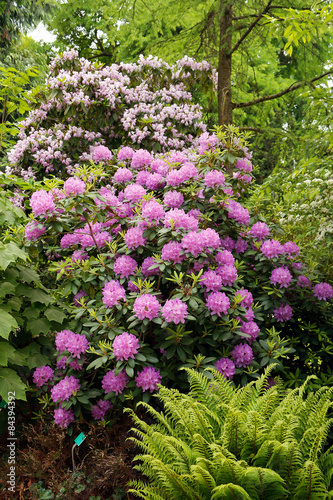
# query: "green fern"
[[249, 443]]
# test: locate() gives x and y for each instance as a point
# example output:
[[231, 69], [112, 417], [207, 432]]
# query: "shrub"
[[84, 104], [256, 442], [162, 267]]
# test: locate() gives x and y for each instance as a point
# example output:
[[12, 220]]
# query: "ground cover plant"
[[252, 443]]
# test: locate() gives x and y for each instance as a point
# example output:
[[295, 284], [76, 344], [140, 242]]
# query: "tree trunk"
[[224, 66]]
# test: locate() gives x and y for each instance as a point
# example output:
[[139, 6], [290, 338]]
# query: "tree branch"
[[293, 87], [250, 28]]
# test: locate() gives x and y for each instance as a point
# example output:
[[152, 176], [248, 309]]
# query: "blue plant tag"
[[81, 437], [3, 404]]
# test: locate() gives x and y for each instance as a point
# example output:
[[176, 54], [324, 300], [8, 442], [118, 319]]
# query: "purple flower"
[[218, 303], [148, 378], [153, 211], [77, 344], [237, 212], [283, 313], [225, 367], [113, 292], [124, 266], [134, 192], [63, 417], [242, 355], [62, 339], [247, 298], [155, 181], [146, 264], [225, 258], [141, 158], [281, 276], [192, 243], [134, 238], [42, 202], [64, 389], [177, 219], [290, 248], [323, 291], [212, 281], [173, 199], [125, 153], [101, 153], [244, 164], [79, 256], [171, 252], [174, 310], [74, 186], [240, 246], [114, 383], [146, 306], [250, 328], [42, 375], [123, 175], [303, 281], [214, 178], [33, 232], [98, 411], [271, 248], [125, 346], [228, 274]]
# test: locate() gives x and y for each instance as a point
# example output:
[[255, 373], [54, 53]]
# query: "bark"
[[224, 66]]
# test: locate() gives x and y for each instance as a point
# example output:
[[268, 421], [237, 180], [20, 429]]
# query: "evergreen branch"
[[251, 27]]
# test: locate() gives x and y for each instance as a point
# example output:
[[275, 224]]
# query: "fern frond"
[[229, 492], [264, 484], [311, 485]]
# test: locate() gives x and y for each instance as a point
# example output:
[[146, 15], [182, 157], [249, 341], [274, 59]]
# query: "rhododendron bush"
[[84, 104], [160, 266]]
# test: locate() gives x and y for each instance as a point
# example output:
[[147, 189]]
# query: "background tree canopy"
[[261, 86]]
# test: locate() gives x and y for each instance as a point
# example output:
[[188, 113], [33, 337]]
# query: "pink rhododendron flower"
[[64, 389], [125, 346], [281, 276], [125, 266], [174, 310], [218, 303], [113, 292], [323, 291], [146, 306], [63, 417], [42, 375], [225, 367], [101, 153], [99, 410], [242, 355], [74, 186], [271, 249], [283, 313], [148, 378], [114, 383], [134, 238], [42, 202]]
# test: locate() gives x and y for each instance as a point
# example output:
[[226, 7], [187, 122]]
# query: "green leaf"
[[38, 326], [11, 382], [38, 295], [27, 274], [6, 288], [54, 314], [7, 324], [6, 353]]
